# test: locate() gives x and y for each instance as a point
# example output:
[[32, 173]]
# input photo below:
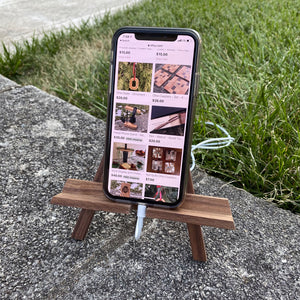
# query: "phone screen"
[[150, 106]]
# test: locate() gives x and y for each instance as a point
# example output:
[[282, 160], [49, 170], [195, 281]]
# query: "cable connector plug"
[[141, 213]]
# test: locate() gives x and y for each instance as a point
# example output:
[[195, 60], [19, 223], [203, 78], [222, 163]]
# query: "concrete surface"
[[44, 141], [21, 19]]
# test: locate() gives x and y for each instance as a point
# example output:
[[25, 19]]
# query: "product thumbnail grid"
[[149, 120]]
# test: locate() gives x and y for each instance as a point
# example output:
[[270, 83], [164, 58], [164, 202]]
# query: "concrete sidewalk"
[[21, 19], [44, 141]]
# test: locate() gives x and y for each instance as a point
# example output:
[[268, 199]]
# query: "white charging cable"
[[141, 213], [213, 143]]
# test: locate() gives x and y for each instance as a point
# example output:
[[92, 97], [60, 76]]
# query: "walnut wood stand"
[[196, 211]]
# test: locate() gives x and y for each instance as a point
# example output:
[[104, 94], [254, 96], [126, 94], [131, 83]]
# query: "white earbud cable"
[[212, 144]]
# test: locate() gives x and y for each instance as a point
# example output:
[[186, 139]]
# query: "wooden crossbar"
[[88, 195], [196, 209]]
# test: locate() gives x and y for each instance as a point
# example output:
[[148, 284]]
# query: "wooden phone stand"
[[196, 211]]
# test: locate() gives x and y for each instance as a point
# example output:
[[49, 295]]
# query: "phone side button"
[[197, 79], [110, 80]]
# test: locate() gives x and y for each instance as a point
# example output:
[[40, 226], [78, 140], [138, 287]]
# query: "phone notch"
[[169, 37]]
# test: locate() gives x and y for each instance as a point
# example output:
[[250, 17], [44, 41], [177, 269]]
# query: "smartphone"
[[152, 91]]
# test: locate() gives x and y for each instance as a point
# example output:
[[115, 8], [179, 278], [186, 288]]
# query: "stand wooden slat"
[[88, 195], [196, 210]]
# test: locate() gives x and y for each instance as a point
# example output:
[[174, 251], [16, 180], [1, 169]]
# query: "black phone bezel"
[[154, 33]]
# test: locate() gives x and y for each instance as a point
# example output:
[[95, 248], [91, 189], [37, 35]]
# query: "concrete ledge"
[[44, 141], [6, 84]]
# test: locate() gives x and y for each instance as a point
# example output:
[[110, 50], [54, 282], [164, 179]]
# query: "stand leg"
[[190, 186], [197, 242], [99, 174], [83, 222], [86, 215], [195, 231]]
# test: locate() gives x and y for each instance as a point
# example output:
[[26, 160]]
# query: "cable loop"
[[212, 143]]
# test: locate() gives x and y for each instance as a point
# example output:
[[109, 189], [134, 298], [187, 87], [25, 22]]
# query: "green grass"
[[250, 81]]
